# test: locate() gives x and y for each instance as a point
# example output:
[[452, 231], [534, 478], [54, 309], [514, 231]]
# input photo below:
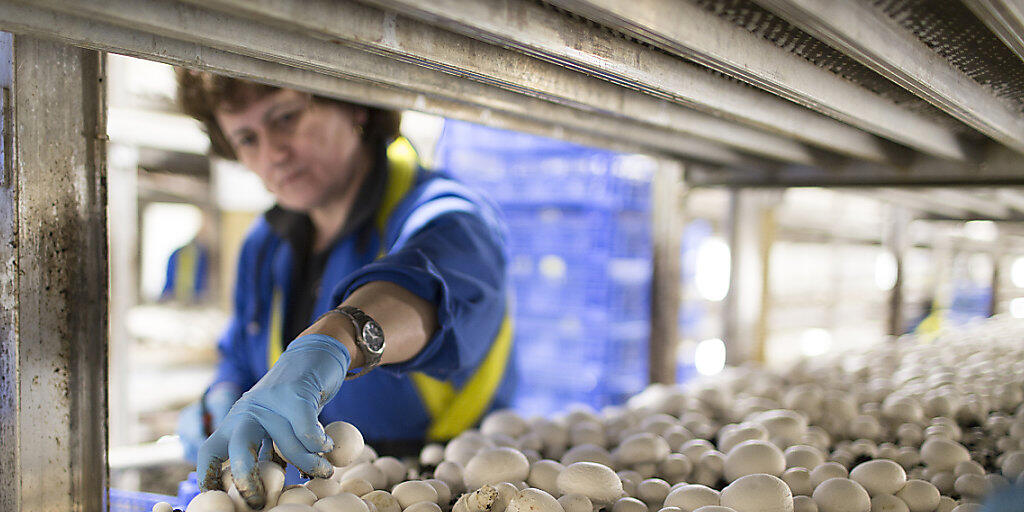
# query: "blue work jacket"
[[435, 238]]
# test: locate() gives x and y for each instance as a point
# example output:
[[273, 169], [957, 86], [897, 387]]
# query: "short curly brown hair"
[[201, 93]]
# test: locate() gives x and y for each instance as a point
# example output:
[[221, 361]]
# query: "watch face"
[[374, 336]]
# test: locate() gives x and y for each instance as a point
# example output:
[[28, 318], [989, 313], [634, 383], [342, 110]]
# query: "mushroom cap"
[[714, 508], [692, 496], [754, 456], [450, 472], [423, 506], [162, 506], [943, 454], [211, 501], [495, 465], [383, 501], [348, 443], [465, 446], [1013, 464], [758, 493], [841, 495], [653, 491], [533, 500], [587, 453], [628, 504], [544, 475], [826, 471], [368, 472], [293, 507], [804, 504], [414, 491], [595, 481], [357, 486], [799, 481], [393, 469], [576, 503], [782, 423], [506, 422], [803, 456], [323, 487], [641, 448], [972, 486], [432, 454], [888, 503], [734, 434], [300, 494], [343, 502], [920, 496], [444, 493], [879, 476]]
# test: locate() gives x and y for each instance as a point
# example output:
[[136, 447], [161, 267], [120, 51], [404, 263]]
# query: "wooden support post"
[[896, 243], [668, 193], [53, 282]]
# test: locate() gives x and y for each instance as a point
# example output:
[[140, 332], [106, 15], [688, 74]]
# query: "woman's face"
[[304, 151]]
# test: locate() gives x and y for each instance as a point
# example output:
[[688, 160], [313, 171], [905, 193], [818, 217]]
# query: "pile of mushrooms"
[[901, 426]]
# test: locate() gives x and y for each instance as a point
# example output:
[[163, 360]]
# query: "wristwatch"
[[369, 338]]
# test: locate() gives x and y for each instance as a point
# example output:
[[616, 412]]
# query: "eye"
[[245, 140]]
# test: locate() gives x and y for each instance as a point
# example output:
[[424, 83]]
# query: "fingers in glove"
[[309, 463], [212, 455], [243, 449]]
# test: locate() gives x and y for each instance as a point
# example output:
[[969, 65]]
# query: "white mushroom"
[[480, 500], [495, 465], [298, 494], [1013, 465], [826, 471], [535, 500], [424, 506], [450, 472], [444, 493], [943, 454], [803, 456], [357, 486], [920, 496], [348, 443], [750, 457], [393, 469], [344, 502], [675, 468], [972, 486], [804, 504], [323, 487], [691, 497], [879, 476], [544, 474], [595, 481], [714, 508], [211, 501], [162, 506], [653, 491], [946, 504], [888, 503], [465, 446], [628, 504], [383, 501], [758, 493], [799, 481], [587, 453], [367, 471], [576, 503], [642, 448], [292, 507], [414, 491], [432, 454], [841, 495], [506, 491], [506, 422]]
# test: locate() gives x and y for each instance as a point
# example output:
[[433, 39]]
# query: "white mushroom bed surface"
[[902, 426]]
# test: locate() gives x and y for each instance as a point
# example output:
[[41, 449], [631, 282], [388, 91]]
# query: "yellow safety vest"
[[185, 274], [451, 410]]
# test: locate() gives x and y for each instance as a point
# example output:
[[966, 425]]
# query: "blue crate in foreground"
[[132, 501]]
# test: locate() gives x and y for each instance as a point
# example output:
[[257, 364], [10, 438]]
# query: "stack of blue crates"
[[579, 225]]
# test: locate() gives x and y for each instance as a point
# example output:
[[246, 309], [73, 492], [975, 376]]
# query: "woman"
[[366, 260]]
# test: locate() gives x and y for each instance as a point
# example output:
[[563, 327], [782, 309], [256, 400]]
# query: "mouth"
[[291, 178]]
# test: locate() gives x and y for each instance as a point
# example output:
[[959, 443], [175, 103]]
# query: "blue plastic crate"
[[131, 501]]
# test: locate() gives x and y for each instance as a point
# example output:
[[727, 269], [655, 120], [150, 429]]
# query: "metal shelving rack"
[[764, 93]]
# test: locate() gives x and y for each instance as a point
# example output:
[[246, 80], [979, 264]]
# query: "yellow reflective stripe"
[[185, 274], [401, 175], [465, 408], [275, 347]]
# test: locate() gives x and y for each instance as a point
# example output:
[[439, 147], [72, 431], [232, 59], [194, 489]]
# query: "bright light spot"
[[552, 267], [979, 268], [983, 230], [815, 341], [885, 271], [709, 356], [712, 269], [1017, 272], [165, 227], [1017, 307]]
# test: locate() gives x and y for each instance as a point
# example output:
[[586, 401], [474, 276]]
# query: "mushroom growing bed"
[[903, 426]]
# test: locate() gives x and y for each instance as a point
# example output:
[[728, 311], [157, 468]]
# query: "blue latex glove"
[[191, 430], [283, 407]]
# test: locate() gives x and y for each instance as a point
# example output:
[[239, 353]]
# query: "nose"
[[276, 150]]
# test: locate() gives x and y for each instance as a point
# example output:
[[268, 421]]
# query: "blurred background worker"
[[188, 270], [367, 259]]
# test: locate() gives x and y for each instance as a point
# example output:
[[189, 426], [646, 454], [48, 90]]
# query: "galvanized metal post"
[[751, 233], [667, 232], [896, 244], [53, 287]]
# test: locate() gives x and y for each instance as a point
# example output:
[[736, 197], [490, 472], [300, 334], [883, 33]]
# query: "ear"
[[360, 115]]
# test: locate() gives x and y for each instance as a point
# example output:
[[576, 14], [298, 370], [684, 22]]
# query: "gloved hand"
[[192, 429], [283, 406]]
